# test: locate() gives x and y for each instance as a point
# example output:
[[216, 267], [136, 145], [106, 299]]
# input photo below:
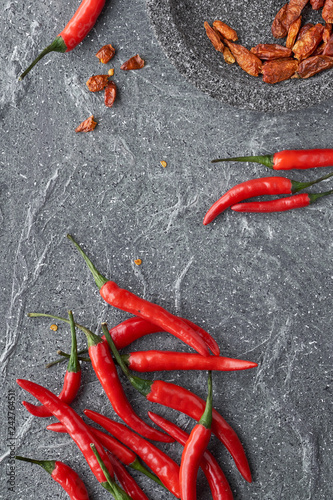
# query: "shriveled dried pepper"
[[279, 70], [106, 53], [97, 82], [214, 37], [312, 66], [294, 10], [134, 62], [279, 29], [110, 94], [245, 59], [87, 125], [328, 49], [269, 51], [226, 31], [328, 11], [308, 43], [293, 32], [317, 4]]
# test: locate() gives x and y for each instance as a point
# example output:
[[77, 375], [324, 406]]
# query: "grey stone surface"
[[261, 284]]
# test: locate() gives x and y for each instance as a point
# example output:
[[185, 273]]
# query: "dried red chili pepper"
[[214, 37], [128, 301], [68, 479], [178, 398], [328, 48], [225, 30], [290, 159], [160, 463], [110, 94], [294, 10], [248, 61], [194, 449], [303, 30], [279, 29], [317, 4], [126, 480], [252, 188], [269, 51], [134, 62], [106, 53], [72, 380], [327, 33], [74, 32], [97, 82], [282, 204], [308, 43], [328, 11], [217, 481], [279, 70], [87, 125], [314, 65], [293, 32], [106, 372], [75, 426]]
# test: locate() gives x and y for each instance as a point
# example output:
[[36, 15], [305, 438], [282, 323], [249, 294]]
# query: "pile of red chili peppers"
[[283, 160], [107, 453]]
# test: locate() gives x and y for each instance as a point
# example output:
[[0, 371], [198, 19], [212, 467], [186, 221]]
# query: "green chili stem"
[[73, 363], [117, 492], [100, 280], [66, 355], [314, 196], [48, 465], [58, 45], [206, 418], [137, 465], [297, 186], [267, 160]]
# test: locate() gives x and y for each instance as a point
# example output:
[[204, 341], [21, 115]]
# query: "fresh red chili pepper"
[[126, 480], [128, 301], [134, 328], [151, 361], [74, 32], [76, 427], [194, 449], [217, 481], [178, 398], [162, 465], [72, 380], [111, 444], [256, 187], [290, 159], [64, 475], [280, 205], [106, 372]]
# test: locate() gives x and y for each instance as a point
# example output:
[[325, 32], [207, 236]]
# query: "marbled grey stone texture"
[[261, 284]]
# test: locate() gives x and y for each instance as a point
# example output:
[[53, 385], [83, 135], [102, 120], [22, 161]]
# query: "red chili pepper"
[[280, 205], [256, 187], [134, 328], [290, 159], [76, 427], [64, 475], [72, 380], [151, 361], [178, 398], [126, 480], [111, 444], [128, 301], [194, 449], [74, 32], [106, 372], [162, 465], [217, 481]]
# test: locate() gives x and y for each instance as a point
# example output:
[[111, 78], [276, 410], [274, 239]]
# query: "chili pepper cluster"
[[108, 451], [283, 160], [308, 49]]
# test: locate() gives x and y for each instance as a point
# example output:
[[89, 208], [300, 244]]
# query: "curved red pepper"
[[280, 205], [72, 379], [162, 465], [75, 426], [126, 480], [217, 481], [74, 32], [150, 361], [64, 475]]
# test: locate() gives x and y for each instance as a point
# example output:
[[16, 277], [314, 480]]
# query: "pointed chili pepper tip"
[[100, 280]]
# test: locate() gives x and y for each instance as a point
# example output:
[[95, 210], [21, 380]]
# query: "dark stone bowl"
[[178, 25]]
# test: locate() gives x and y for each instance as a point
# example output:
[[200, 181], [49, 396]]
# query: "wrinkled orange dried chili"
[[87, 125], [106, 53], [110, 94], [134, 62], [97, 82]]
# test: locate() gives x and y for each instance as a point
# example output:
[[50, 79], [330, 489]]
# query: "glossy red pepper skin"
[[150, 361], [217, 481], [75, 426], [68, 479], [282, 204], [126, 480], [162, 465], [183, 400]]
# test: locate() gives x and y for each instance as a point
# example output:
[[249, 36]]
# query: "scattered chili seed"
[[163, 163], [134, 62], [111, 72], [110, 94], [87, 125], [97, 82], [54, 328], [106, 53], [138, 262]]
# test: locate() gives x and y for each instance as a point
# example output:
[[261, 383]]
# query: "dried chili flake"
[[225, 31], [293, 32], [279, 70], [317, 4], [54, 328], [138, 262], [110, 94], [269, 51], [214, 37], [248, 61], [308, 43], [97, 82], [314, 65], [328, 11], [294, 10], [106, 53], [279, 29], [163, 163], [134, 62], [87, 126]]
